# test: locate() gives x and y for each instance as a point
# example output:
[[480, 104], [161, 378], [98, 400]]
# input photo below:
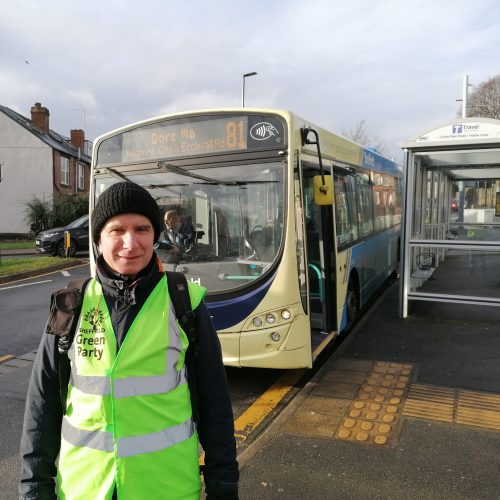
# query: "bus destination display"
[[173, 139], [193, 136]]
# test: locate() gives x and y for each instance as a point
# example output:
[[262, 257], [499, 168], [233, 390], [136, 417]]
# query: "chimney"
[[40, 117], [78, 138]]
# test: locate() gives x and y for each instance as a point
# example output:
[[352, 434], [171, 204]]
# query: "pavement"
[[18, 252], [402, 409]]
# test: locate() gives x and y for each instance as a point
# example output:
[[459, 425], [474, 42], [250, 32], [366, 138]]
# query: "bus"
[[294, 228]]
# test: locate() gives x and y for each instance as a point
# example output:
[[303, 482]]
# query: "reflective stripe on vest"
[[128, 418], [128, 446]]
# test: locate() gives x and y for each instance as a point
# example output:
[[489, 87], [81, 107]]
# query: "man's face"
[[172, 220], [126, 243]]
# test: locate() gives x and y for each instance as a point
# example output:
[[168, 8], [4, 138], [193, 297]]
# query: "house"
[[36, 161]]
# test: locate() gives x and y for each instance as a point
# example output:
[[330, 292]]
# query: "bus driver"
[[178, 238]]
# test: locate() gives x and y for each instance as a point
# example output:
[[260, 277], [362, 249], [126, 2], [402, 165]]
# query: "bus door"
[[320, 259]]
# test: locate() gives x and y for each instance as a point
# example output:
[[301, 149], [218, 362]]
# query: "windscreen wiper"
[[187, 173], [238, 183], [116, 174], [163, 186]]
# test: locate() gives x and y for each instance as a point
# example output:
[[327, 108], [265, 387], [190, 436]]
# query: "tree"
[[68, 207], [361, 135], [65, 208], [485, 99], [38, 214]]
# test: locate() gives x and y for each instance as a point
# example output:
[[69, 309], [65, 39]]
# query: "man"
[[178, 238], [127, 431]]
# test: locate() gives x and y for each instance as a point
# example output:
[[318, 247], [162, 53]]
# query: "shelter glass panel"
[[468, 273]]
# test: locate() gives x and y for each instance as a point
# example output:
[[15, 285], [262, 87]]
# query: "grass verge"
[[14, 266], [17, 245]]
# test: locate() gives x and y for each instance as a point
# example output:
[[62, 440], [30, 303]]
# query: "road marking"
[[25, 284], [7, 357], [65, 273], [264, 405]]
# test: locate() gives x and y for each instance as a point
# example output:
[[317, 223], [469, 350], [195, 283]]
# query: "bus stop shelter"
[[450, 239]]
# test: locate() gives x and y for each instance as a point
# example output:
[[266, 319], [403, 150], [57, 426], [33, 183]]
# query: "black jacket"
[[40, 441]]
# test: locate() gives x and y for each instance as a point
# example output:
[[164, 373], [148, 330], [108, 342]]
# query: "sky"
[[102, 64]]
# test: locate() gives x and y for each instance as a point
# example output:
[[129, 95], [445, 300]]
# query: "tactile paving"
[[430, 402], [384, 395], [479, 409], [448, 404], [374, 415]]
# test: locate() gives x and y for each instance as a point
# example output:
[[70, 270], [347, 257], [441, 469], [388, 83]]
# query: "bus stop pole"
[[461, 194], [406, 219]]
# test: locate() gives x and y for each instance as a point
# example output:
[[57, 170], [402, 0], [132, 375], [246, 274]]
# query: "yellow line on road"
[[7, 357], [264, 405]]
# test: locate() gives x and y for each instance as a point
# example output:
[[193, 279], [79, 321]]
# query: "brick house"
[[36, 161]]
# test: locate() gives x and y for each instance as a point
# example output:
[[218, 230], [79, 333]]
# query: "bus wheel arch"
[[352, 301]]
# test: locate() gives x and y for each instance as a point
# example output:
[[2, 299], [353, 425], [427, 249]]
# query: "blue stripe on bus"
[[373, 159], [375, 248], [230, 312]]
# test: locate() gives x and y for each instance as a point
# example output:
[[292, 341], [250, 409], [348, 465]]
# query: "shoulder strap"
[[65, 341], [179, 295]]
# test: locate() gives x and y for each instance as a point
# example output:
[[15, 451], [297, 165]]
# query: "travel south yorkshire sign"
[[459, 131]]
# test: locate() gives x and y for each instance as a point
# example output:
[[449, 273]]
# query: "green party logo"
[[95, 317]]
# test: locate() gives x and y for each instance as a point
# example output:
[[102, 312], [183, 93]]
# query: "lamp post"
[[465, 88], [253, 73]]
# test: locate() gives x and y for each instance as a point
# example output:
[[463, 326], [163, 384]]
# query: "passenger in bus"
[[223, 236], [106, 416], [177, 239]]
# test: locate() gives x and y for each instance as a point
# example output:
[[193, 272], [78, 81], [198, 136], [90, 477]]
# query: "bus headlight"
[[257, 322], [270, 318], [275, 336], [286, 314]]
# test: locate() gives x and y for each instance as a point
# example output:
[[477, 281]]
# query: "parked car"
[[52, 240], [454, 206]]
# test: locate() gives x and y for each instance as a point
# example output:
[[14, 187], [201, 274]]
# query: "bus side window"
[[345, 211], [364, 197]]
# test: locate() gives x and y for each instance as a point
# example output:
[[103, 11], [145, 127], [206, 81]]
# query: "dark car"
[[52, 240]]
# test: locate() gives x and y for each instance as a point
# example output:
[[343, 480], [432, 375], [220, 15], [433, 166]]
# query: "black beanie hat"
[[125, 198]]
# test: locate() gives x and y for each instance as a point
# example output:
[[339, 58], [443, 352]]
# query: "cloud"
[[396, 64]]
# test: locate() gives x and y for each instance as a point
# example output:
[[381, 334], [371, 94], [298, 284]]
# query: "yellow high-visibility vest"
[[128, 422]]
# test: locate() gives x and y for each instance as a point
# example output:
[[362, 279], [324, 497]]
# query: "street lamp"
[[253, 73]]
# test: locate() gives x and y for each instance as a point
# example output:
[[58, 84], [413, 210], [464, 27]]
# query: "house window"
[[64, 171], [81, 176]]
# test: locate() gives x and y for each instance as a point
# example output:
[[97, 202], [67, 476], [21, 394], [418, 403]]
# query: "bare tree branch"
[[485, 99], [360, 134]]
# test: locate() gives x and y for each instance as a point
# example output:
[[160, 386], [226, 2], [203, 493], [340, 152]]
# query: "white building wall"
[[26, 172]]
